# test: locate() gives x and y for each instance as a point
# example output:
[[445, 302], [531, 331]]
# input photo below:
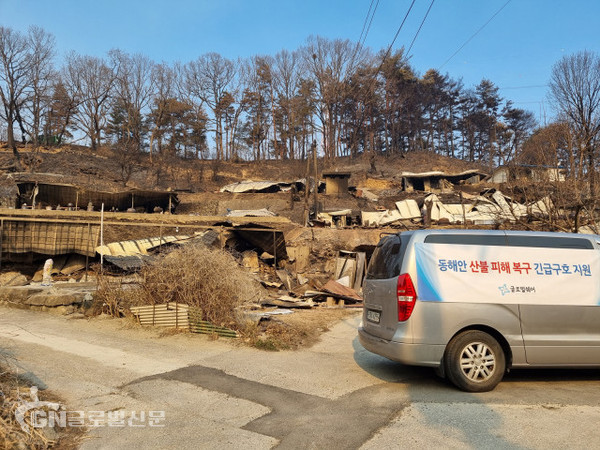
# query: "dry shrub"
[[112, 297], [303, 328], [208, 279], [13, 391]]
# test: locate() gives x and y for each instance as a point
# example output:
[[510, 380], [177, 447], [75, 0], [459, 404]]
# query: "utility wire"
[[396, 36], [474, 34], [374, 77], [420, 26], [362, 32], [366, 20], [367, 28], [525, 87]]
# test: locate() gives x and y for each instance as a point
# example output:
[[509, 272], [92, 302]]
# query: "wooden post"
[[102, 238], [275, 248], [462, 203], [87, 253], [1, 240], [316, 206], [306, 191]]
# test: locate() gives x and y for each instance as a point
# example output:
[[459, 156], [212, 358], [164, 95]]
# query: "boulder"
[[13, 279]]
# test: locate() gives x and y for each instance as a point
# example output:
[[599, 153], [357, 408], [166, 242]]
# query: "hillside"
[[198, 182]]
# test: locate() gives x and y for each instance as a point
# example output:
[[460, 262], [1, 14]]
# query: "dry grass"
[[303, 328], [13, 391], [208, 279]]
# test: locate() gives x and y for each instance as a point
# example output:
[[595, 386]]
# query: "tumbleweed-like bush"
[[209, 279]]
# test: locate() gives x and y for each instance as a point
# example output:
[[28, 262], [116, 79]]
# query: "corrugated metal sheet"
[[138, 246], [250, 213], [409, 209], [48, 238], [252, 186], [129, 263], [178, 315]]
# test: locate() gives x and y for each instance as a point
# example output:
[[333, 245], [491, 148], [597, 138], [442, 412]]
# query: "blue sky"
[[516, 50]]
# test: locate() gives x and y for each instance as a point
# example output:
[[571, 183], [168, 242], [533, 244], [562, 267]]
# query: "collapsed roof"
[[268, 186], [52, 194], [427, 181]]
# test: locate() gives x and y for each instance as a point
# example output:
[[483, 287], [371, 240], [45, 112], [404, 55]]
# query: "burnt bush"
[[195, 275]]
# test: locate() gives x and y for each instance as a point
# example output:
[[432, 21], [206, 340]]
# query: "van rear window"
[[466, 239], [386, 260], [549, 242]]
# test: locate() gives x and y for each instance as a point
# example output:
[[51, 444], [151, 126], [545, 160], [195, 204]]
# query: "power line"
[[365, 21], [525, 87], [420, 26], [396, 36], [474, 34], [374, 77], [363, 33]]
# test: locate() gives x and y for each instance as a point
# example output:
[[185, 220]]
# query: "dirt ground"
[[102, 169]]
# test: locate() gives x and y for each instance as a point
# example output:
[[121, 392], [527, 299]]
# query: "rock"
[[13, 279], [38, 276], [53, 300], [63, 299], [250, 260], [35, 300], [18, 294], [63, 310], [88, 300]]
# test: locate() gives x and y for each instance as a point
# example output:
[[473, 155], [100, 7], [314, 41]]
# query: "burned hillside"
[[303, 233]]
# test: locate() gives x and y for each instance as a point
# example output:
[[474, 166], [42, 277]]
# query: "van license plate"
[[373, 316]]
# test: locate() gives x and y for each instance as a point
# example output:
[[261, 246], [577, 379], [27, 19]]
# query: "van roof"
[[503, 233]]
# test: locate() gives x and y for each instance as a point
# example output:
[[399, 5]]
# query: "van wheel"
[[474, 361]]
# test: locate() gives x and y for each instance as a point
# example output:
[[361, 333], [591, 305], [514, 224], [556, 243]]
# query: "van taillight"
[[406, 297]]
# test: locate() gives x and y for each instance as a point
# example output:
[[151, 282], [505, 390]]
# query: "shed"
[[336, 182], [504, 174], [54, 194], [437, 181]]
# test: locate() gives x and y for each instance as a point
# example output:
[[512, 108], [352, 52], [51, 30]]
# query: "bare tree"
[[286, 80], [42, 77], [133, 90], [331, 63], [209, 78], [164, 83], [15, 63], [90, 80], [575, 91]]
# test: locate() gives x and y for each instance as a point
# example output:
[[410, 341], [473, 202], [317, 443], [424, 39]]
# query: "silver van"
[[475, 303]]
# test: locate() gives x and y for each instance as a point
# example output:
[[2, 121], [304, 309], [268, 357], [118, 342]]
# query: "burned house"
[[437, 181], [336, 182], [53, 195], [527, 172]]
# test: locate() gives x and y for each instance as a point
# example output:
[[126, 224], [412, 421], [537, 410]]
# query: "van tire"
[[474, 361]]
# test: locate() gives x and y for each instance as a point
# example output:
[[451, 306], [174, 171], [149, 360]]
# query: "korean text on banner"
[[508, 275]]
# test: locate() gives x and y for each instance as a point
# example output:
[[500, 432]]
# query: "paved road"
[[217, 394]]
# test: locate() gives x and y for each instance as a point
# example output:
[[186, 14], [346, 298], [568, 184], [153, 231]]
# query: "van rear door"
[[380, 313]]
